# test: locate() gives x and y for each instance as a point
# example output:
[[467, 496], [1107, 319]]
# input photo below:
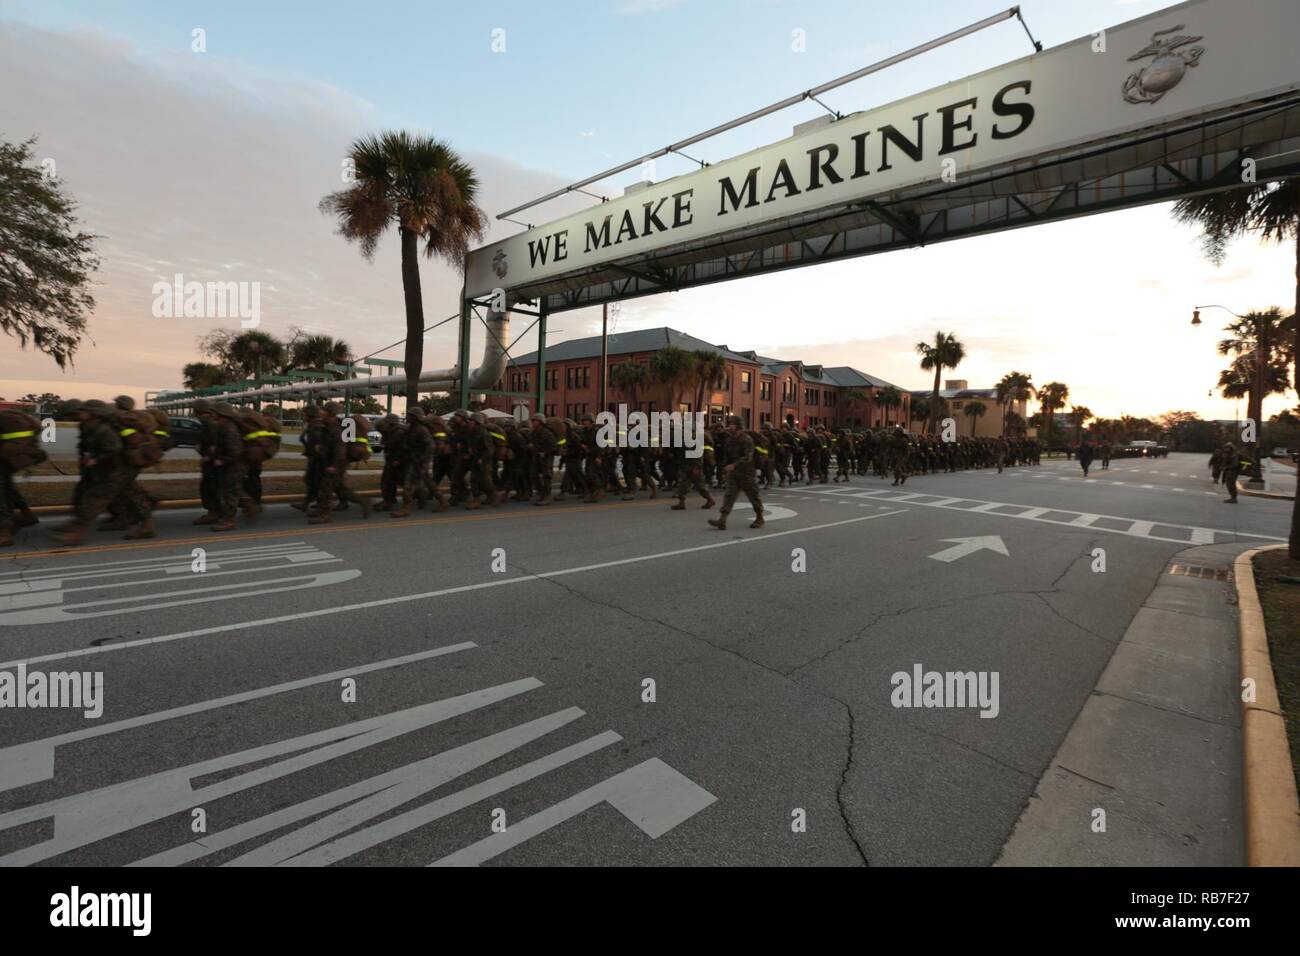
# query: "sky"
[[211, 164]]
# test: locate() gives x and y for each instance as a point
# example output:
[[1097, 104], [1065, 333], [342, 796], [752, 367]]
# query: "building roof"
[[651, 340], [951, 393], [626, 343]]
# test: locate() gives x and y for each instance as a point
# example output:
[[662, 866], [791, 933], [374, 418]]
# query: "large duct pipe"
[[485, 376]]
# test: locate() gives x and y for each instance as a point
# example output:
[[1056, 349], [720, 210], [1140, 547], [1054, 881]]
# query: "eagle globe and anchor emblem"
[[1166, 69], [499, 264]]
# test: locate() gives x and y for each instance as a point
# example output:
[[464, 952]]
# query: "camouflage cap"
[[95, 407], [460, 413], [224, 408], [391, 419], [124, 402], [311, 411], [735, 420], [414, 411], [202, 405], [331, 408], [478, 417], [537, 417]]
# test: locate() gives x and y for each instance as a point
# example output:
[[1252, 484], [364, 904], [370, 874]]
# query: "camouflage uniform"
[[740, 476]]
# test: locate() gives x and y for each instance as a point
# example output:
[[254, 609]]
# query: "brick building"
[[758, 388], [957, 393]]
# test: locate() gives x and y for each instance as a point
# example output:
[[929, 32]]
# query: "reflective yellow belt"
[[7, 435], [439, 434], [159, 431], [497, 435], [708, 448], [760, 449], [252, 435], [126, 431], [562, 441]]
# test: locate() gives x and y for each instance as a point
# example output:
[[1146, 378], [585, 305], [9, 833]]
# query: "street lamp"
[[1257, 393]]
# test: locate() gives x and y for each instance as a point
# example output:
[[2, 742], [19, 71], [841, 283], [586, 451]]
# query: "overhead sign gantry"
[[1201, 96]]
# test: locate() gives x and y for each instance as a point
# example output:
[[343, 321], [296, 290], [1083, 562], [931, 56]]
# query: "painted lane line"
[[652, 795], [442, 592], [1202, 536], [94, 815], [354, 843], [33, 761], [212, 555]]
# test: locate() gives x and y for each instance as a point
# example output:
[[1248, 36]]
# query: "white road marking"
[[965, 546], [1202, 536], [33, 761], [1135, 528], [46, 596], [652, 795], [95, 815], [443, 592]]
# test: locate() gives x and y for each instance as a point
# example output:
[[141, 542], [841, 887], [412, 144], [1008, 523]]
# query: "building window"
[[746, 382], [744, 416], [810, 396], [552, 379], [830, 400], [550, 411], [726, 380], [684, 407], [765, 391]]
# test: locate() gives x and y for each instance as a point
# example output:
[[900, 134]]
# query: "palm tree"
[[672, 368], [422, 186], [1013, 388], [974, 411], [1272, 210], [314, 352], [1051, 397], [944, 352], [629, 377], [1251, 336], [254, 351], [889, 398], [198, 375], [1080, 414], [710, 371]]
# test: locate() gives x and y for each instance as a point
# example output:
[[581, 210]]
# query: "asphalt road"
[[515, 697]]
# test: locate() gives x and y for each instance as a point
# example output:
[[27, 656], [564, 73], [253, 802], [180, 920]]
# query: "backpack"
[[560, 429], [140, 448], [161, 428], [359, 448], [20, 444], [261, 434]]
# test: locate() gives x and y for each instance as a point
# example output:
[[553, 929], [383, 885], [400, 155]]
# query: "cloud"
[[193, 164]]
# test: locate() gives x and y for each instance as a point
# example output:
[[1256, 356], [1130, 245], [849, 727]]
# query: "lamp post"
[[1255, 409]]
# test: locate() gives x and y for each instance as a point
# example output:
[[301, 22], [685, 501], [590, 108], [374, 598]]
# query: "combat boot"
[[25, 518], [629, 494], [720, 522], [473, 505], [403, 511], [680, 506], [206, 518], [365, 508], [252, 509], [385, 506], [71, 535], [145, 530], [708, 503], [321, 517], [6, 538], [442, 502], [114, 523], [597, 495], [224, 524], [654, 491], [758, 522]]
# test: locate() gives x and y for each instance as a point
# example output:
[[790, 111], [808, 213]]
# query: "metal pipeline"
[[489, 372]]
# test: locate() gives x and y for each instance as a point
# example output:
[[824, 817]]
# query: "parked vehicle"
[[184, 432]]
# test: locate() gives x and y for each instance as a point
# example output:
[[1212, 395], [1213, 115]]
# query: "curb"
[[1271, 805], [176, 503], [1266, 494]]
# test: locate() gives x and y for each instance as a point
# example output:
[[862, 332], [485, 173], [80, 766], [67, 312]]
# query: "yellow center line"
[[372, 525]]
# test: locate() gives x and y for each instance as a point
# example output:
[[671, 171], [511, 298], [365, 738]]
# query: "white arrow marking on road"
[[965, 546]]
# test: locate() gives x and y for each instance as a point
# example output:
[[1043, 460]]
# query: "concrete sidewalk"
[[1158, 744]]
